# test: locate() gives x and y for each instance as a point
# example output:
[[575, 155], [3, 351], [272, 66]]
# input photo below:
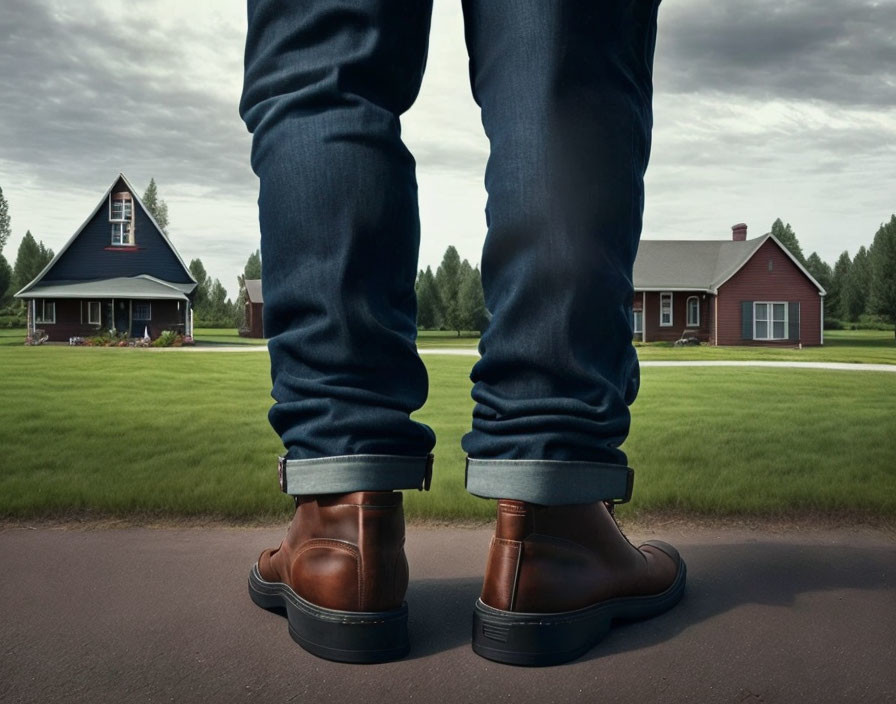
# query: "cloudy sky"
[[763, 109]]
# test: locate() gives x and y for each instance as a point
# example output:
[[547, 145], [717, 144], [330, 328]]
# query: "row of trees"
[[859, 286], [452, 298]]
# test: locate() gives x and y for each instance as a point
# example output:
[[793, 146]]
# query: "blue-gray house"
[[119, 271]]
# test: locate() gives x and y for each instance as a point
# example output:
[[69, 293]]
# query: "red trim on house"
[[128, 248]]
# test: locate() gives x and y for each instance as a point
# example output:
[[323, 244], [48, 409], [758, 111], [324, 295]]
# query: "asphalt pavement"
[[162, 615]]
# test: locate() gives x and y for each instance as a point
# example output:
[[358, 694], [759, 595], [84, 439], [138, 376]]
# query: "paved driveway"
[[162, 615]]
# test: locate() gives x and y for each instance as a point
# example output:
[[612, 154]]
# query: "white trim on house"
[[637, 317], [644, 311], [90, 320], [770, 320], [687, 307], [671, 304], [42, 320]]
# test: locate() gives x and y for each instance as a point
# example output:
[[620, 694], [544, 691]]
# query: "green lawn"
[[113, 432]]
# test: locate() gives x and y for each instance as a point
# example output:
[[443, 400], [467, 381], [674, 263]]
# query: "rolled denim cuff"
[[341, 474], [549, 482]]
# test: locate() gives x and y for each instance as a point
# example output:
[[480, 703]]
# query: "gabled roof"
[[143, 286], [698, 265], [34, 282], [253, 290]]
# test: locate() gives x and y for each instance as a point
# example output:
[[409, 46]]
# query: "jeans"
[[565, 90]]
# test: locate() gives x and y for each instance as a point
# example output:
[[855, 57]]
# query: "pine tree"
[[448, 285], [5, 281], [4, 221], [156, 206], [854, 295], [883, 271], [472, 302], [428, 302], [787, 237], [30, 260], [823, 274], [838, 285], [200, 297]]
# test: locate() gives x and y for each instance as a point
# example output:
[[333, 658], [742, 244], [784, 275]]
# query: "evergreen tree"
[[30, 260], [4, 222], [220, 309], [200, 297], [854, 295], [472, 301], [823, 274], [883, 271], [787, 237], [5, 281], [448, 285], [838, 285], [428, 301], [156, 206]]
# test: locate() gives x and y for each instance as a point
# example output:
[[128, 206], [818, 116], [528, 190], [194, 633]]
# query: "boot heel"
[[343, 636], [535, 640]]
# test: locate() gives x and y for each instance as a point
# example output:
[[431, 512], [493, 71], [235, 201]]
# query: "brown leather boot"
[[341, 575], [557, 576]]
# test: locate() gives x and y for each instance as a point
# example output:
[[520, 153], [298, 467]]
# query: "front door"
[[122, 315]]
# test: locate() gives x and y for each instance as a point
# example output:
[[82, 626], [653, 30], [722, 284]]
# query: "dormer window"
[[121, 213]]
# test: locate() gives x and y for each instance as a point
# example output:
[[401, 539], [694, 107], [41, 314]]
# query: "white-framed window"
[[142, 311], [44, 311], [121, 233], [121, 208], [769, 320], [665, 309], [637, 321], [693, 312], [93, 312]]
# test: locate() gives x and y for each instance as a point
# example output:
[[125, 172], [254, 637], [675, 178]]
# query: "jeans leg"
[[565, 90], [325, 84]]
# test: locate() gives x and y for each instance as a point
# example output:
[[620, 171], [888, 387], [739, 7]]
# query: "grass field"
[[110, 432]]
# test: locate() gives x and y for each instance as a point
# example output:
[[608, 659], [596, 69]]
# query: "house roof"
[[143, 286], [37, 279], [697, 265], [253, 290]]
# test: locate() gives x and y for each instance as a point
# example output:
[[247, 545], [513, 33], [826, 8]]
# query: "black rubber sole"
[[343, 636], [552, 639]]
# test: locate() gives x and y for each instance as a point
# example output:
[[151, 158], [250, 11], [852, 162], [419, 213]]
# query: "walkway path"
[[472, 352], [156, 615]]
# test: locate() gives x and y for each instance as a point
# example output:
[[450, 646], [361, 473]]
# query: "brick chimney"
[[739, 232]]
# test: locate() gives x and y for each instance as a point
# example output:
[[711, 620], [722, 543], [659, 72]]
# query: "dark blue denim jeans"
[[565, 90]]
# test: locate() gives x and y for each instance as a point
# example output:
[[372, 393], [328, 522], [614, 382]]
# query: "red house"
[[726, 292], [119, 272], [254, 310]]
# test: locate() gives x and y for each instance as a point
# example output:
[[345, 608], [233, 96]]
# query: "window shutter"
[[793, 320], [746, 320]]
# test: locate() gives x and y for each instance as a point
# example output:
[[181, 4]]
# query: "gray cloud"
[[85, 96], [829, 50]]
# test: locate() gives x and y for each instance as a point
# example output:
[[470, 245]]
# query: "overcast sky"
[[763, 109]]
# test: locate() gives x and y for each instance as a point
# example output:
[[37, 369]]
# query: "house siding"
[[165, 316], [662, 333], [92, 255], [754, 282]]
